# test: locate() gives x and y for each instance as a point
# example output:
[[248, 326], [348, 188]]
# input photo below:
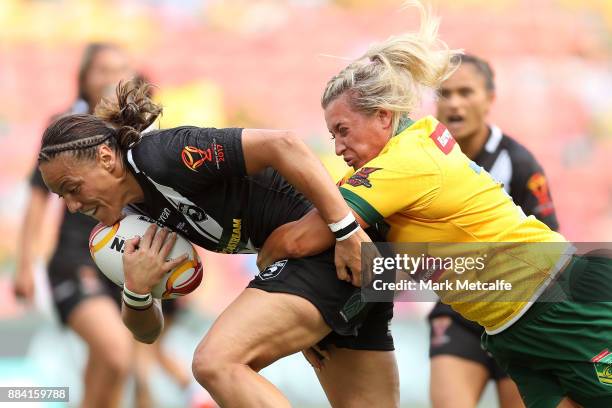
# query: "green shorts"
[[563, 348]]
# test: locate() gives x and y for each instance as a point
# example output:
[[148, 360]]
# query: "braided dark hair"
[[117, 123]]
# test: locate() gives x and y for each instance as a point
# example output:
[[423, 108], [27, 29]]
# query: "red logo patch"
[[360, 178], [539, 188], [194, 157], [443, 139]]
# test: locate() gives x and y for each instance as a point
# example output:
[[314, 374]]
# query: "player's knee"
[[208, 365]]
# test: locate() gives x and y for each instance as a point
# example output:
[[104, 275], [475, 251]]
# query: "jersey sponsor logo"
[[360, 178], [193, 212], [234, 240], [603, 367], [539, 188], [443, 139], [273, 270], [439, 326], [163, 217], [194, 157]]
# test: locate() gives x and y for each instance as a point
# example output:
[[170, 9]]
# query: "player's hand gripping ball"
[[106, 245]]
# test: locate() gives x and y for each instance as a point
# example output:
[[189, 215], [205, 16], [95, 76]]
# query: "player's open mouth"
[[455, 119]]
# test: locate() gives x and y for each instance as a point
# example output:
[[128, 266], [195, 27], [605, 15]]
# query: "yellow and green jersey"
[[422, 188]]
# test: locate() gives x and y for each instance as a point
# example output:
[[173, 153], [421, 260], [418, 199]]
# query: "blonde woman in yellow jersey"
[[411, 182]]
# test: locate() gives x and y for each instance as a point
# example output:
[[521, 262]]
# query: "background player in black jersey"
[[85, 300], [460, 369], [226, 190]]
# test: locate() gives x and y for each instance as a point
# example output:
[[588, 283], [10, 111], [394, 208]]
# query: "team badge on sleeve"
[[539, 188], [194, 157], [443, 139]]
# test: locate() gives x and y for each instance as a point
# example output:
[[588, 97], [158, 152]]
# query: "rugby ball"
[[107, 243]]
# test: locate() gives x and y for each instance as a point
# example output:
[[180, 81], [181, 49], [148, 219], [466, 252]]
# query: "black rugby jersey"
[[195, 182], [516, 168], [512, 164]]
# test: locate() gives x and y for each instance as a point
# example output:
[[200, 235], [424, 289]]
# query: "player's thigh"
[[360, 378], [509, 395], [260, 327], [362, 370], [97, 321], [456, 382], [459, 367]]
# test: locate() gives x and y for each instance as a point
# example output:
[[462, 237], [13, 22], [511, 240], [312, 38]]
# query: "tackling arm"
[[307, 236]]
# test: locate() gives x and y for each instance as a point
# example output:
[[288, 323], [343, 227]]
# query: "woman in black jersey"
[[85, 300], [226, 190]]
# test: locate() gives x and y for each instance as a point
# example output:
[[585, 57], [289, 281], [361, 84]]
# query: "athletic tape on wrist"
[[343, 223], [136, 300], [347, 232]]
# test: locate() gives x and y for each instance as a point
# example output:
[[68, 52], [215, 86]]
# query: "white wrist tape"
[[136, 300], [343, 223], [345, 227]]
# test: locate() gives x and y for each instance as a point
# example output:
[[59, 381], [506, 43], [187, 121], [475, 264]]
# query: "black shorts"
[[451, 334], [75, 278], [354, 325]]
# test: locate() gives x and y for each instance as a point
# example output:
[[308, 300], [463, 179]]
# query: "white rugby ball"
[[106, 245]]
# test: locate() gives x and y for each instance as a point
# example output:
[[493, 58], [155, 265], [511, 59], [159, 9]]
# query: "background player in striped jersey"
[[85, 300], [460, 369]]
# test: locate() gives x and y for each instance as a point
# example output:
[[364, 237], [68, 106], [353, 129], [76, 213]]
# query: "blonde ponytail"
[[391, 74]]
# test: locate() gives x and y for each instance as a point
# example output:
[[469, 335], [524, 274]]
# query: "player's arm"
[[30, 228], [307, 236], [373, 194], [287, 154], [146, 324], [533, 192], [144, 265]]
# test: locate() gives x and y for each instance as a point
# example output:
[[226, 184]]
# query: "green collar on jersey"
[[404, 123]]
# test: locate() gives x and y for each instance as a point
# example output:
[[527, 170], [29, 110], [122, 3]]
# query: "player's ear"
[[490, 98], [491, 95], [106, 157], [385, 117]]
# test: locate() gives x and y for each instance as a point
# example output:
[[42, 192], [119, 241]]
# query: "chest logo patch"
[[360, 178], [194, 157], [193, 212]]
